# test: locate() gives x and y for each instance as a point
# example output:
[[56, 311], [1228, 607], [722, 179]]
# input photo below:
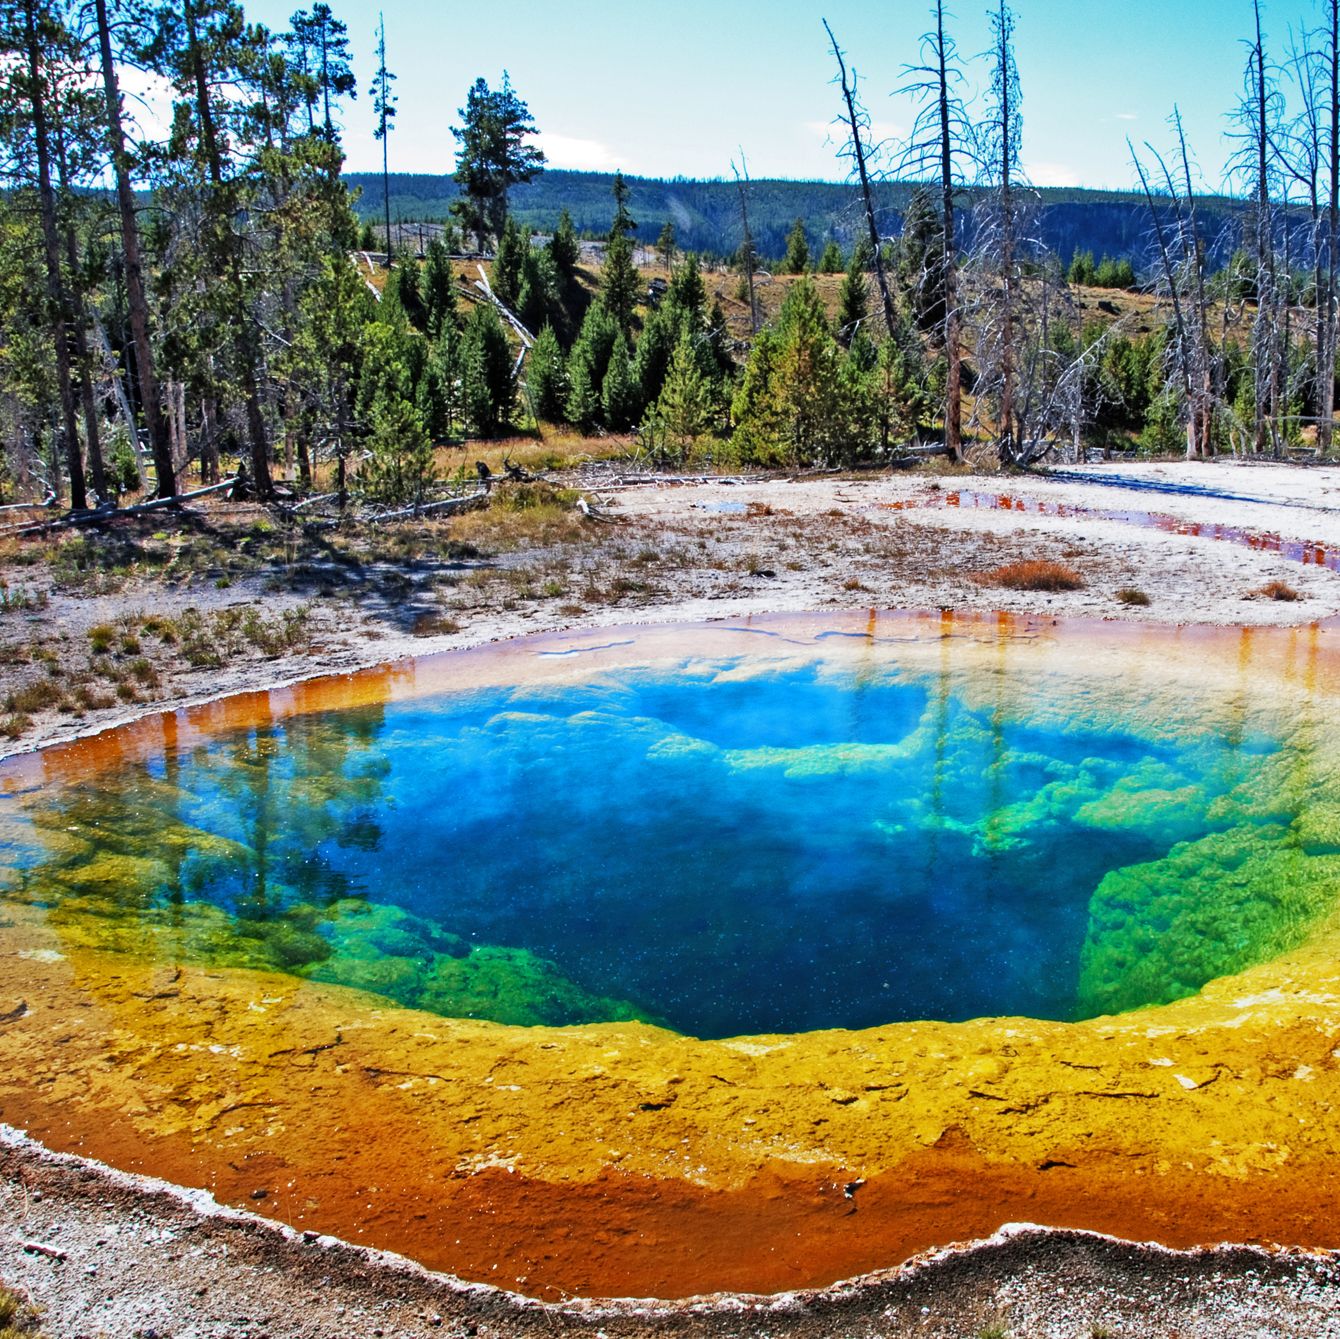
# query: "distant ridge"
[[706, 213]]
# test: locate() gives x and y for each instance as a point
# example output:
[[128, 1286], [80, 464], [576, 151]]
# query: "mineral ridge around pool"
[[602, 964]]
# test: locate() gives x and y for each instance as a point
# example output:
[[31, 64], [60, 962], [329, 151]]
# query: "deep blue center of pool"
[[778, 852]]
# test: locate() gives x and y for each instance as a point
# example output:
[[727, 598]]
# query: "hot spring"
[[564, 963]]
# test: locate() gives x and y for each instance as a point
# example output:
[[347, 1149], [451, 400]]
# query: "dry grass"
[[1278, 590], [18, 1320], [1038, 574], [1130, 596], [525, 516]]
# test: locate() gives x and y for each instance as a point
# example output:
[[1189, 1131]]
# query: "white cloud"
[[1051, 174], [1124, 116], [579, 155], [148, 100]]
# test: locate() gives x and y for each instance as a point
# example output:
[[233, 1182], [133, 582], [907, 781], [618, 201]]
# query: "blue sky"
[[683, 88]]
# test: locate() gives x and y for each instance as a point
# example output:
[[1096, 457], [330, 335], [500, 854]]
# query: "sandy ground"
[[687, 552], [140, 1260]]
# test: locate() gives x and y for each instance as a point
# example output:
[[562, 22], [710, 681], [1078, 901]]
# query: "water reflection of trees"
[[215, 841]]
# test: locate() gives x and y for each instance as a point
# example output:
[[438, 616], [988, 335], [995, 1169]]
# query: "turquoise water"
[[721, 852]]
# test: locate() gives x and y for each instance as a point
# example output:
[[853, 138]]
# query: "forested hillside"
[[706, 214]]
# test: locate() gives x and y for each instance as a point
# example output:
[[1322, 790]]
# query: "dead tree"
[[999, 241], [1256, 164], [747, 245], [1168, 245], [1200, 439], [857, 122], [1308, 159], [940, 140]]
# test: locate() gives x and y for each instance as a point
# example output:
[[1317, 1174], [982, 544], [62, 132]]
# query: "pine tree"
[[384, 109], [320, 45], [583, 407], [588, 364], [401, 469], [547, 377], [718, 334], [620, 282], [492, 156], [790, 403], [486, 366], [685, 409], [687, 291], [508, 262], [433, 396], [620, 399], [402, 285], [665, 245], [655, 349], [797, 258], [439, 289], [538, 303], [564, 246], [921, 262], [853, 300], [831, 260]]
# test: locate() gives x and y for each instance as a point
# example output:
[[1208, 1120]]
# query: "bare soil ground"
[[97, 628], [167, 611]]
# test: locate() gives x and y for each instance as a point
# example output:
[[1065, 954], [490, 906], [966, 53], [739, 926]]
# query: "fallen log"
[[104, 514], [449, 506], [47, 502]]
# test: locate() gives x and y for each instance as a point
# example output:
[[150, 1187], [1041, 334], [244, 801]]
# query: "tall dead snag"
[[1327, 369], [133, 268], [1255, 164], [1167, 243], [857, 122], [747, 255], [939, 135], [1308, 159], [1000, 242], [1200, 438]]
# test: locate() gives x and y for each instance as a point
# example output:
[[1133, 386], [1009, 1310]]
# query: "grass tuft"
[[1035, 574], [17, 1319], [1129, 595], [17, 600], [1279, 590]]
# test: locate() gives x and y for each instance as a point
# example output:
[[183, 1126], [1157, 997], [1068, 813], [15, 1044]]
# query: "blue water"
[[781, 852]]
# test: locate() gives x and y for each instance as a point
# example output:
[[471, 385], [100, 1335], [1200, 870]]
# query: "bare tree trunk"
[[953, 320], [57, 297], [1200, 442], [113, 374], [83, 362], [247, 350], [1264, 334], [130, 250], [1007, 244], [209, 445], [1326, 369], [859, 156], [742, 183], [1170, 276]]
